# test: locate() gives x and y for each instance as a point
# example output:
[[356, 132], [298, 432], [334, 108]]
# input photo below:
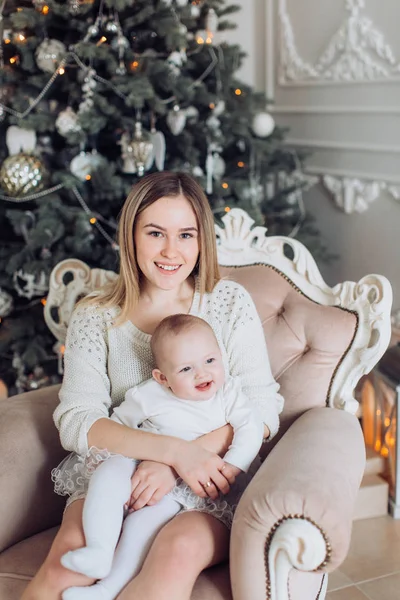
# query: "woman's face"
[[166, 237]]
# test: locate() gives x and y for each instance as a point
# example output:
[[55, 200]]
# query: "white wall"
[[367, 242]]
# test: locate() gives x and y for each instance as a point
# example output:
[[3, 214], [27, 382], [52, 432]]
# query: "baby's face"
[[192, 364]]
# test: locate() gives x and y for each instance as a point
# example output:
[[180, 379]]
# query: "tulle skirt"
[[71, 478]]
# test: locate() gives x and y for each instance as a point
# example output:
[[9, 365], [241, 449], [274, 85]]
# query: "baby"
[[188, 397]]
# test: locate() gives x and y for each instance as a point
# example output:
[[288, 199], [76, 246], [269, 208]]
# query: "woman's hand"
[[201, 470], [150, 483]]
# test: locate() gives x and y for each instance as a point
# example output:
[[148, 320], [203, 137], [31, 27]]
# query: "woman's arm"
[[217, 441]]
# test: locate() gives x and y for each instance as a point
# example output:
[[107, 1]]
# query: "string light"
[[7, 41], [88, 177], [211, 105], [134, 65], [93, 220], [19, 37], [45, 9], [101, 40], [225, 185], [43, 301], [238, 92], [14, 60], [61, 71], [240, 164], [227, 208]]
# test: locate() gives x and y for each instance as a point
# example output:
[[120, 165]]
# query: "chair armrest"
[[29, 449], [297, 511]]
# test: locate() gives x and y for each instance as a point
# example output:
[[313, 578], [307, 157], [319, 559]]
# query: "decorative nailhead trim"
[[294, 286], [268, 543]]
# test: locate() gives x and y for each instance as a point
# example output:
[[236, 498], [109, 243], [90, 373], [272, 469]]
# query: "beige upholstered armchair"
[[293, 523]]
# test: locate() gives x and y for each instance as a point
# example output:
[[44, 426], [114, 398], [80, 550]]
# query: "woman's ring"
[[207, 484]]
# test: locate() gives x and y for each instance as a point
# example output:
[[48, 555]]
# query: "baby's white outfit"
[[155, 408]]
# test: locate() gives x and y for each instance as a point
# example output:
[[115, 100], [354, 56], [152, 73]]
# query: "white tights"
[[103, 516]]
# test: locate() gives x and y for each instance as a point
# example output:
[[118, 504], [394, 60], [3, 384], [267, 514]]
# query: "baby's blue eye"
[[210, 360], [185, 369]]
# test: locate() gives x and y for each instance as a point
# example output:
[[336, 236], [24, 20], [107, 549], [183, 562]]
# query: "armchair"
[[293, 524]]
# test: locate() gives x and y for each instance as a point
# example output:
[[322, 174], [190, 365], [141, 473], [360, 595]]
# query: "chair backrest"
[[321, 340]]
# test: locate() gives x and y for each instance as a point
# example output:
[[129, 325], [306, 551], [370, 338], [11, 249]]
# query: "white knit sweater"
[[103, 361]]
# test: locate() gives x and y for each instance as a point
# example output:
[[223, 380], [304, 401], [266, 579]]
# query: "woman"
[[168, 266]]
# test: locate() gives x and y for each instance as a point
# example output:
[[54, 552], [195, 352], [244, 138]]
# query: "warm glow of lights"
[[240, 164], [19, 9], [227, 209], [62, 349], [384, 452], [43, 301], [45, 9], [211, 105], [93, 220], [387, 422], [378, 412], [134, 65], [7, 41], [238, 92], [199, 39], [14, 59], [101, 40], [209, 40], [21, 37], [377, 445], [61, 71], [225, 185], [88, 177]]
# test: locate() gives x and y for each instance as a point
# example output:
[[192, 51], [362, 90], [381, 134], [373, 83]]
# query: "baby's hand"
[[230, 472]]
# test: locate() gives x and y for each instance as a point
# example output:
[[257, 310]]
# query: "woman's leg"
[[52, 578], [191, 542]]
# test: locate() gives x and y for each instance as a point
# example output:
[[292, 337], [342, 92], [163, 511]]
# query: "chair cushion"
[[306, 341]]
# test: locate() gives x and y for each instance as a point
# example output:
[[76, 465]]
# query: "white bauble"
[[67, 122], [263, 124], [218, 167], [176, 120], [85, 163], [181, 2], [48, 55], [6, 303]]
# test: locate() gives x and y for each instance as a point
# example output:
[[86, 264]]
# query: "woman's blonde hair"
[[125, 290]]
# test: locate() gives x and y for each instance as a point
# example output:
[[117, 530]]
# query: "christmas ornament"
[[197, 171], [181, 2], [159, 149], [22, 174], [85, 163], [263, 124], [20, 140], [6, 303], [75, 5], [29, 285], [49, 54], [89, 84], [141, 148], [192, 113], [195, 10], [176, 120], [128, 164], [219, 108], [176, 60], [211, 22], [67, 122]]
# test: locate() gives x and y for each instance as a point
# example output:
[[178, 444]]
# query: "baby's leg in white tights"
[[139, 530], [103, 511]]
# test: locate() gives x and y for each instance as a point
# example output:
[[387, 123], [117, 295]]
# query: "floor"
[[371, 570]]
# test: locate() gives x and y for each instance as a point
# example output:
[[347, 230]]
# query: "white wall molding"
[[334, 110], [356, 53], [348, 146], [353, 195]]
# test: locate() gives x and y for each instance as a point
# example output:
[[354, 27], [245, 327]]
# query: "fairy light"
[[240, 164], [45, 10], [20, 37], [7, 41], [200, 39], [101, 40], [238, 92], [93, 220], [225, 185], [209, 39], [134, 65], [88, 177], [14, 60], [211, 105], [43, 301], [227, 209], [61, 71]]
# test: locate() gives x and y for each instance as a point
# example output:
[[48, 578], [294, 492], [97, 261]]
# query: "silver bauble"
[[6, 303], [49, 54], [67, 122], [22, 174], [141, 148], [263, 124]]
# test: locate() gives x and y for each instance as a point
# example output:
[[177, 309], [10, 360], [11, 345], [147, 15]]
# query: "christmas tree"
[[94, 93]]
